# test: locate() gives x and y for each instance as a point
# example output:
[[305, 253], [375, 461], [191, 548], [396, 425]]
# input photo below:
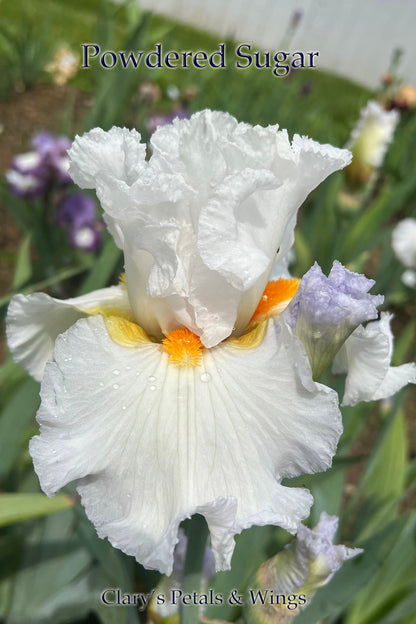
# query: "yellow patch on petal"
[[183, 347], [109, 310], [126, 333], [251, 339], [122, 279], [277, 295]]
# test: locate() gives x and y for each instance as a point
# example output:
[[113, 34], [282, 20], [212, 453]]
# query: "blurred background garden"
[[53, 567]]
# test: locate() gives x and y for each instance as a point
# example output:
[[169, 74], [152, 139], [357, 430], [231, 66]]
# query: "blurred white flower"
[[404, 242], [373, 134], [369, 142], [172, 91], [409, 278], [63, 66]]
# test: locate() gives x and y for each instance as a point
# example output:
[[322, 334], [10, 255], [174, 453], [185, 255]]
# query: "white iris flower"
[[178, 392], [372, 134], [404, 242], [404, 246]]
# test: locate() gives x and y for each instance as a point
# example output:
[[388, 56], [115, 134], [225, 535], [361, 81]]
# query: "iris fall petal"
[[150, 443]]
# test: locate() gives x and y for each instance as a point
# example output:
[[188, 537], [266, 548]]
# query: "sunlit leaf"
[[17, 414], [18, 507]]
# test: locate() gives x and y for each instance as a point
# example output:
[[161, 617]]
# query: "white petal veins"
[[156, 443]]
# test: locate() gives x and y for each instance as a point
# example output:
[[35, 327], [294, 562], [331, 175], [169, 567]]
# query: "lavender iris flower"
[[77, 212], [31, 174], [326, 310], [161, 120]]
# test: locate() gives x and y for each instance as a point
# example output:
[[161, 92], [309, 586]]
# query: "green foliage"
[[21, 399], [19, 507], [23, 53]]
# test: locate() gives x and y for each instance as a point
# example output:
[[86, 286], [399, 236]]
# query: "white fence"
[[355, 38]]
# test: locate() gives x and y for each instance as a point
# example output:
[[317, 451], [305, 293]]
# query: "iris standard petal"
[[117, 152], [229, 190]]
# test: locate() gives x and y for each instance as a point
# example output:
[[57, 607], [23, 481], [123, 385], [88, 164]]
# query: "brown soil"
[[25, 114]]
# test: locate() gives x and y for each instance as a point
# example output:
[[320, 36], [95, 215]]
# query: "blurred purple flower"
[[46, 144], [87, 237], [160, 120], [31, 174], [24, 184], [53, 151], [75, 211]]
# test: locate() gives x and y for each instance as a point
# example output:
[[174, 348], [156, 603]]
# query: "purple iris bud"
[[326, 310], [75, 211]]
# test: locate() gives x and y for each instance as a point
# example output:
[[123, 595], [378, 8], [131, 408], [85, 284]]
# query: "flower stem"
[[197, 532]]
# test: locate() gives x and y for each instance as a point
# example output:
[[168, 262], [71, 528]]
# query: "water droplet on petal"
[[124, 407], [101, 384], [116, 371], [151, 378], [205, 377], [115, 386], [137, 373], [128, 367], [152, 388]]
